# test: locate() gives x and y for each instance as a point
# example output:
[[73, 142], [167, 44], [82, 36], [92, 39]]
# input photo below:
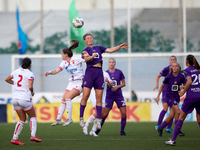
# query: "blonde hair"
[[171, 70]]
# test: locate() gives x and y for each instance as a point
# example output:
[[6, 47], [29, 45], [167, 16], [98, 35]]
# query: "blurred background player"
[[192, 99], [173, 81], [92, 98], [22, 79], [73, 66], [114, 94], [164, 73], [94, 75]]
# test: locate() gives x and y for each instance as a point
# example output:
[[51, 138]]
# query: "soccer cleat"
[[16, 142], [85, 130], [160, 131], [170, 142], [81, 123], [181, 133], [169, 130], [35, 139], [92, 133], [123, 133], [98, 122], [68, 122], [156, 127], [57, 122]]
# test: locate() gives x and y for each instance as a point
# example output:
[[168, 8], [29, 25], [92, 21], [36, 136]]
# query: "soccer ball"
[[78, 22]]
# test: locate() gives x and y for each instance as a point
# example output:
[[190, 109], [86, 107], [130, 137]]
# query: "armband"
[[49, 72]]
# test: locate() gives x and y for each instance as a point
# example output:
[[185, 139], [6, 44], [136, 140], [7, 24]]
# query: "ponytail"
[[196, 64], [68, 51], [193, 62]]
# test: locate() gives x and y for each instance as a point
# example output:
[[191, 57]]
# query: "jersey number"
[[195, 82], [18, 83]]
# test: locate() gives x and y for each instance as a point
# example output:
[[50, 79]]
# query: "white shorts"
[[92, 99], [19, 104], [77, 85]]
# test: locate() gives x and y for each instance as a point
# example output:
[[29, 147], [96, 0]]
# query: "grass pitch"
[[141, 136]]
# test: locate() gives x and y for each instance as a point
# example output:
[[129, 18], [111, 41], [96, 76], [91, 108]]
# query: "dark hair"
[[193, 62], [174, 57], [74, 45], [87, 35], [26, 62]]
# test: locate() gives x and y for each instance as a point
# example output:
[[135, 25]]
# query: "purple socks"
[[99, 110], [123, 124], [178, 127], [161, 116], [82, 109]]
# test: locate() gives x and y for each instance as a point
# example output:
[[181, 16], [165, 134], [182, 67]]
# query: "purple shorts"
[[171, 100], [164, 97], [118, 100], [189, 105], [93, 78]]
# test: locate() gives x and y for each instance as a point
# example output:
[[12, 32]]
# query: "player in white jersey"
[[92, 98], [22, 79], [73, 66]]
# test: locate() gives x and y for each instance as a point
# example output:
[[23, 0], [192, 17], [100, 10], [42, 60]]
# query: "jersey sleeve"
[[62, 65], [186, 73], [122, 77], [164, 72], [166, 80], [103, 49], [31, 76]]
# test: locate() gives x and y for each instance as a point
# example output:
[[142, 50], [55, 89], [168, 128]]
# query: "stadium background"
[[160, 16]]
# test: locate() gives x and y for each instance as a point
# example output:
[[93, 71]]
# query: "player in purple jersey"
[[164, 73], [94, 75], [114, 94], [172, 81], [192, 99]]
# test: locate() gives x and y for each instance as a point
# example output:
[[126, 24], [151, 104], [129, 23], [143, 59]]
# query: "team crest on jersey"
[[112, 77], [72, 61], [84, 82], [175, 82]]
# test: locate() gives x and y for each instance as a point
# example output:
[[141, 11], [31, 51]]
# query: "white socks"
[[18, 129], [90, 120], [33, 126], [61, 110], [69, 108]]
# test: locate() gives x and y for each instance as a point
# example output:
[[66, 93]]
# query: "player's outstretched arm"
[[113, 49], [52, 72]]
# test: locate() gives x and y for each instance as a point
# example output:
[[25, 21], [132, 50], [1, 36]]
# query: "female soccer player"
[[164, 73], [172, 81], [114, 94], [73, 66], [22, 79], [107, 81], [94, 75], [192, 99]]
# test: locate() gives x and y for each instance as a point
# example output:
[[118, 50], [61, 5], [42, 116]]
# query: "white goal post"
[[121, 57]]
